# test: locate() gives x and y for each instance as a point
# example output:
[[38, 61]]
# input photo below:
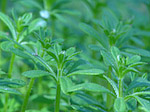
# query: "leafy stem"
[[58, 91], [58, 95], [27, 95]]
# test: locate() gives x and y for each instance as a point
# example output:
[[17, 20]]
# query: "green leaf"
[[15, 83], [6, 45], [138, 82], [52, 55], [108, 59], [42, 62], [136, 94], [144, 103], [26, 17], [113, 85], [133, 59], [138, 51], [4, 89], [87, 72], [35, 73], [129, 69], [115, 52], [90, 87], [93, 33], [65, 84], [119, 105], [137, 63], [19, 52], [70, 51], [9, 24]]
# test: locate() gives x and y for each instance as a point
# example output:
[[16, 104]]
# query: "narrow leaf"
[[113, 85], [87, 72]]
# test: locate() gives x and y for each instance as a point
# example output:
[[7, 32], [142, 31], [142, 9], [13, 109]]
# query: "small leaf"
[[65, 84], [108, 58], [87, 72], [92, 32], [113, 85], [115, 52], [133, 59], [52, 55], [136, 64], [35, 73], [136, 94], [129, 69], [70, 51], [119, 105]]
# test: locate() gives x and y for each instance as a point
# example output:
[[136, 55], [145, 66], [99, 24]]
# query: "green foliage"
[[74, 56]]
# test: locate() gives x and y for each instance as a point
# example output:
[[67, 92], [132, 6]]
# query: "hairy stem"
[[27, 95]]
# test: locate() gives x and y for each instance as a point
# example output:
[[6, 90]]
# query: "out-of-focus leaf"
[[15, 83], [4, 89], [9, 24], [133, 59], [138, 51], [35, 73]]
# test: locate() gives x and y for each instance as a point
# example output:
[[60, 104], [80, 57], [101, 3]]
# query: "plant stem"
[[9, 76], [27, 95], [58, 90], [11, 65], [120, 88], [109, 98], [57, 104]]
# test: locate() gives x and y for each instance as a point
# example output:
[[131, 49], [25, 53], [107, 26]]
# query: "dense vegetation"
[[74, 56]]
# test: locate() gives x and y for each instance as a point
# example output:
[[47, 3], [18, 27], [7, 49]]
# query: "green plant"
[[42, 72]]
